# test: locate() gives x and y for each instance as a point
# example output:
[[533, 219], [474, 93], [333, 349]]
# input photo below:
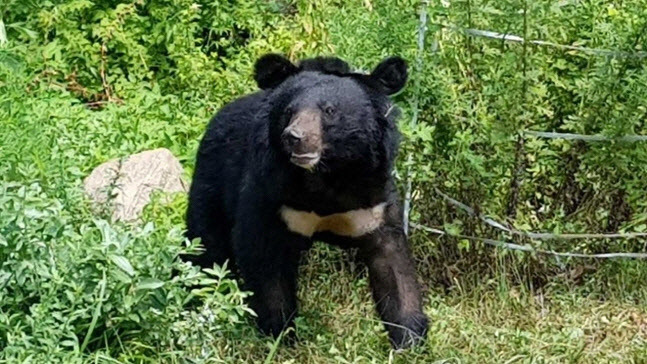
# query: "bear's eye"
[[288, 111], [329, 110]]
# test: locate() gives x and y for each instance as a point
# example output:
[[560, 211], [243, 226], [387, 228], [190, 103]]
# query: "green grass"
[[490, 322]]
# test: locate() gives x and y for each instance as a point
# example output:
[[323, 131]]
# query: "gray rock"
[[123, 187]]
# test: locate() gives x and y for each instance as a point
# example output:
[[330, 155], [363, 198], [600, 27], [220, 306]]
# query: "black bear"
[[308, 157]]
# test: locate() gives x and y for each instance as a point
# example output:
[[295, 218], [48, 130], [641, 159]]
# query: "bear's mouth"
[[305, 160]]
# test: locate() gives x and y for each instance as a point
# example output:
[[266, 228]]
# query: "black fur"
[[243, 177]]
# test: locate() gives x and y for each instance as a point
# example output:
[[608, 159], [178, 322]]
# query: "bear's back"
[[234, 120], [225, 147]]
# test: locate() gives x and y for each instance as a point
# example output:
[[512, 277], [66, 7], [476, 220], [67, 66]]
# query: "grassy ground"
[[491, 321]]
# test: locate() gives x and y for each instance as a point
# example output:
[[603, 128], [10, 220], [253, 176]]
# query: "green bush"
[[72, 285]]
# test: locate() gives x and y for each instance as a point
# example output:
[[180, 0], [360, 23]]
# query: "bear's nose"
[[292, 137]]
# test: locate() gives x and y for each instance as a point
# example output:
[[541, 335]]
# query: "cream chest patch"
[[353, 223]]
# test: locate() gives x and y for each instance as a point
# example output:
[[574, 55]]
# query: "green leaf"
[[149, 283], [123, 263]]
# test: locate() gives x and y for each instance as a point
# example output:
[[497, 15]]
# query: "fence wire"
[[532, 235], [3, 33], [422, 30], [530, 249], [586, 138], [519, 39]]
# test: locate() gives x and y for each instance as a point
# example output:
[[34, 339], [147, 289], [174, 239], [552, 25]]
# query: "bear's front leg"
[[267, 256], [274, 301], [393, 281]]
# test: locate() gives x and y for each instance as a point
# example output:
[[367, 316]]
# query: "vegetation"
[[85, 81]]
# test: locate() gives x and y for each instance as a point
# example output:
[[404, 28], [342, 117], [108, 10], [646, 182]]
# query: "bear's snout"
[[302, 138], [292, 138]]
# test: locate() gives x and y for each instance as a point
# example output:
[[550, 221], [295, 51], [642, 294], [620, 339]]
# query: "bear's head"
[[325, 118]]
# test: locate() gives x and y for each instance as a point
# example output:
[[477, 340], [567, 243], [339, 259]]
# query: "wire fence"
[[3, 33], [530, 249], [422, 31], [489, 34], [586, 138], [519, 39], [532, 235], [505, 228]]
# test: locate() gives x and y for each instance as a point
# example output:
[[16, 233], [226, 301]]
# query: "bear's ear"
[[272, 69], [390, 75]]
